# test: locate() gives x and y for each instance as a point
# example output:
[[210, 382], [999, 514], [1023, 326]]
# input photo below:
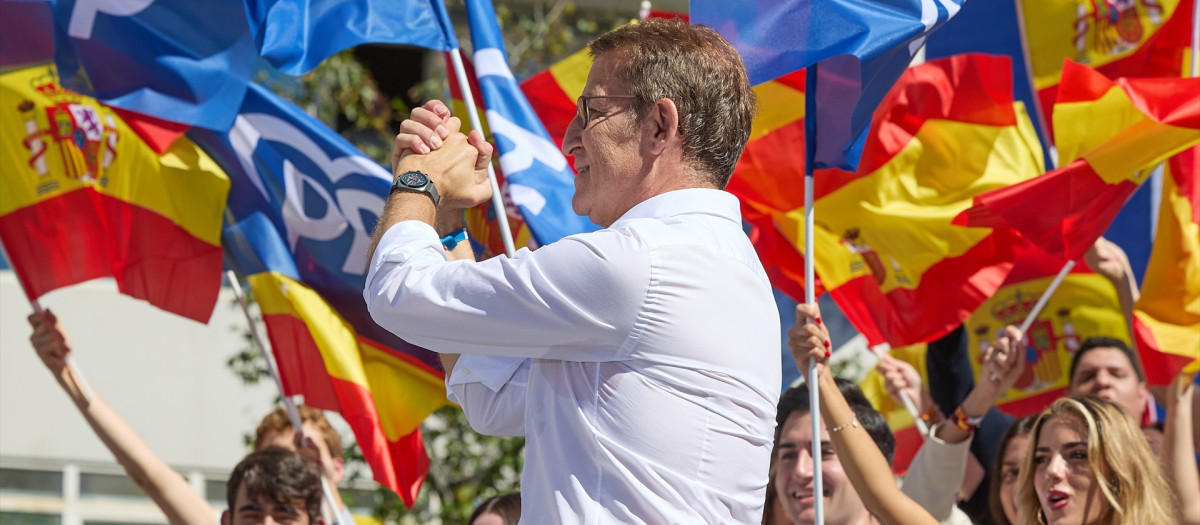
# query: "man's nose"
[[571, 138], [804, 466]]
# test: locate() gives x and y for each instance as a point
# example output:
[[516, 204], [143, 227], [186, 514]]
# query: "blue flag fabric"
[[861, 47], [303, 202], [180, 60], [296, 35], [540, 182]]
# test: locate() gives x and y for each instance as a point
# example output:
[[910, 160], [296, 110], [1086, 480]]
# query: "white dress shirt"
[[641, 362]]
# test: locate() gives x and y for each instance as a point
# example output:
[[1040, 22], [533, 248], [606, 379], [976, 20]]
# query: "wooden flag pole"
[[473, 115], [1041, 303], [289, 404], [81, 382]]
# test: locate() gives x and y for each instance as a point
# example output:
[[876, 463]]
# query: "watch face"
[[413, 179]]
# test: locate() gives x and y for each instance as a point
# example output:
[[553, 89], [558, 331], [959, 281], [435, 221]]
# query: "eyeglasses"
[[581, 105]]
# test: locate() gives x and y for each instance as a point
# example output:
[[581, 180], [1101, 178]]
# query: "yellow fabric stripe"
[[571, 73], [1128, 154], [897, 219], [778, 106], [42, 161], [404, 394], [1082, 126], [1170, 301]]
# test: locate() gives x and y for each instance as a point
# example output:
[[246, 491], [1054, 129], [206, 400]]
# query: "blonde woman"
[[1089, 464]]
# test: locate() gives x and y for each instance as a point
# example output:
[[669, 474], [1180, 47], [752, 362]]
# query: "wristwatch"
[[416, 181]]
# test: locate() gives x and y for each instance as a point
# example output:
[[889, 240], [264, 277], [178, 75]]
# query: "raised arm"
[[864, 464], [167, 488], [1178, 447]]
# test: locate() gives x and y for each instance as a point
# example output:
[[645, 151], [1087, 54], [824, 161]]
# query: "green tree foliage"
[[466, 467]]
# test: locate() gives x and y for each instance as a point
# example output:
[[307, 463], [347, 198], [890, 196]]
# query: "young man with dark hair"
[[1106, 367], [273, 485]]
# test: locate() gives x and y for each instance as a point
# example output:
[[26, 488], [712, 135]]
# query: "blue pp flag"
[[856, 50], [179, 60], [540, 182], [296, 35], [302, 202]]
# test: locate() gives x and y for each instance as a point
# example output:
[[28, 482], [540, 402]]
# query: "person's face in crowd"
[[1010, 470], [608, 162], [489, 518], [1107, 373], [330, 469], [794, 477], [1066, 487], [265, 511]]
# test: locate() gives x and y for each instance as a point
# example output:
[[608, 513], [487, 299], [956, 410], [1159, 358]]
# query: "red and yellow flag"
[[383, 395], [1167, 315], [1130, 38], [84, 197], [899, 419], [1084, 305], [885, 246], [1111, 133]]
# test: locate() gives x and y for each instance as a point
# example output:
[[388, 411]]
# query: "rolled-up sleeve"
[[577, 299], [491, 391]]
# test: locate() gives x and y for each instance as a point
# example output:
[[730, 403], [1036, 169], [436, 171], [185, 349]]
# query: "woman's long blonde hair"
[[1121, 461]]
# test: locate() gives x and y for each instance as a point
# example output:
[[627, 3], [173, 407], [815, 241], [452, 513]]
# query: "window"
[[26, 518], [108, 485], [31, 482]]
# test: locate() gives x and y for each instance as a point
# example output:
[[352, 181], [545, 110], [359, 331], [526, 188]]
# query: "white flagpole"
[[1041, 303], [289, 404], [473, 115], [810, 298], [81, 382]]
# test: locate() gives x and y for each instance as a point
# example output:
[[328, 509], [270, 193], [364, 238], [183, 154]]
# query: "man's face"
[[265, 511], [330, 468], [608, 156], [1106, 372], [794, 477]]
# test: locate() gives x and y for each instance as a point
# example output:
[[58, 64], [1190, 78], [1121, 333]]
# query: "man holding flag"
[[641, 360]]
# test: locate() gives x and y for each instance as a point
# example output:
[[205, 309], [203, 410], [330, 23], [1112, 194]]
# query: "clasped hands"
[[430, 142]]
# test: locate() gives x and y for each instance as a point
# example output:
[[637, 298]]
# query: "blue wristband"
[[451, 241]]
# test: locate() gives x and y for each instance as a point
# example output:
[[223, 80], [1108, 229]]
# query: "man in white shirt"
[[641, 362]]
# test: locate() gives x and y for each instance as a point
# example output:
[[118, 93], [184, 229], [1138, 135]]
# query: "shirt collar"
[[705, 201]]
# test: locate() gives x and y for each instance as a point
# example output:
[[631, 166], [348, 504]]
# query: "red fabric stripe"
[[400, 466], [301, 367], [1032, 405], [157, 133], [1185, 170], [553, 106], [422, 365], [1081, 83], [1075, 207], [949, 291], [908, 442], [84, 234]]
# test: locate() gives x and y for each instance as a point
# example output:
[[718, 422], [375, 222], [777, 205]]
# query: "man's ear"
[[663, 125], [339, 468], [226, 518]]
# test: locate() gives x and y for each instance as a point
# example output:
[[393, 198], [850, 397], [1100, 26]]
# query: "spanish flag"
[[382, 394], [899, 419], [1111, 133], [84, 198], [885, 247], [1167, 315], [1084, 305]]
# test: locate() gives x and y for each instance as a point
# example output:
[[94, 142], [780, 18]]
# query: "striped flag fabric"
[[885, 246], [300, 214], [1110, 133], [84, 198], [1167, 315], [539, 180]]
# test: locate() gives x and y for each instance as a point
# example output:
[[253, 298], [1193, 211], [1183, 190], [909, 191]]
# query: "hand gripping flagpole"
[[473, 113], [289, 404], [81, 382]]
